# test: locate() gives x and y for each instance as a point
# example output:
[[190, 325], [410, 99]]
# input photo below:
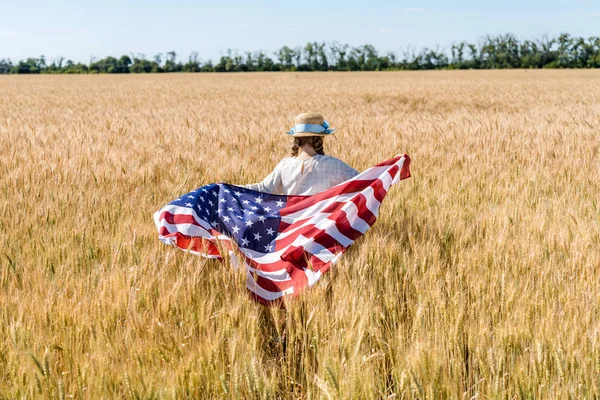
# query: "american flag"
[[285, 242]]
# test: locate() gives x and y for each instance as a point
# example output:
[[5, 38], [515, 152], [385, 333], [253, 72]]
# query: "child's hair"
[[315, 141]]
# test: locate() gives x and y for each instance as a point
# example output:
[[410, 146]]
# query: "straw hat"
[[310, 124]]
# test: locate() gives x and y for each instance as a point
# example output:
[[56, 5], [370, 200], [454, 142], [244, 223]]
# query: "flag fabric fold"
[[286, 243]]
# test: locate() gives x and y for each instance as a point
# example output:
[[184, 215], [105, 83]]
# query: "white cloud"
[[415, 9]]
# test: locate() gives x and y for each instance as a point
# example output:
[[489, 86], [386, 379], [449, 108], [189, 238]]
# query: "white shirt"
[[308, 176]]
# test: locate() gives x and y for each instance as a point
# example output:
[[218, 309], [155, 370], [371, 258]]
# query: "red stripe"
[[270, 285], [379, 191], [405, 173], [393, 171], [363, 211], [198, 244], [343, 225], [293, 199]]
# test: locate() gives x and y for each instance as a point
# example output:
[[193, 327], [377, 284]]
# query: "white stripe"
[[400, 164], [328, 225], [277, 276], [316, 249], [255, 288], [336, 258], [262, 258], [356, 222], [372, 203], [187, 229], [321, 221], [387, 181], [312, 276], [173, 209]]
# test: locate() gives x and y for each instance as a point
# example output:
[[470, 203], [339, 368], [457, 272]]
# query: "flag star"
[[268, 247], [254, 208], [279, 203], [243, 201], [259, 199], [211, 203], [189, 205], [214, 193], [257, 236], [261, 218], [201, 199], [179, 199], [230, 209], [245, 242], [223, 200], [267, 209], [225, 190], [204, 190], [235, 229], [237, 193], [270, 231], [191, 197], [219, 211], [214, 224], [249, 223], [226, 218]]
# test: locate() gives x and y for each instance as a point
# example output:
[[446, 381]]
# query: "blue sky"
[[79, 30]]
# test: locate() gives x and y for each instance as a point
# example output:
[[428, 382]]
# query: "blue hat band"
[[313, 128]]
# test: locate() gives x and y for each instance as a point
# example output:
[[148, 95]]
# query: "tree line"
[[491, 52]]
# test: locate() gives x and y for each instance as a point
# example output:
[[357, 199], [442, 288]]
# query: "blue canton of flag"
[[248, 217]]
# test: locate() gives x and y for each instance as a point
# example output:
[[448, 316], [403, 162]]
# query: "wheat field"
[[481, 278]]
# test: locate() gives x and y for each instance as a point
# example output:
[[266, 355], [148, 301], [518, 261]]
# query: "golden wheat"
[[480, 279]]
